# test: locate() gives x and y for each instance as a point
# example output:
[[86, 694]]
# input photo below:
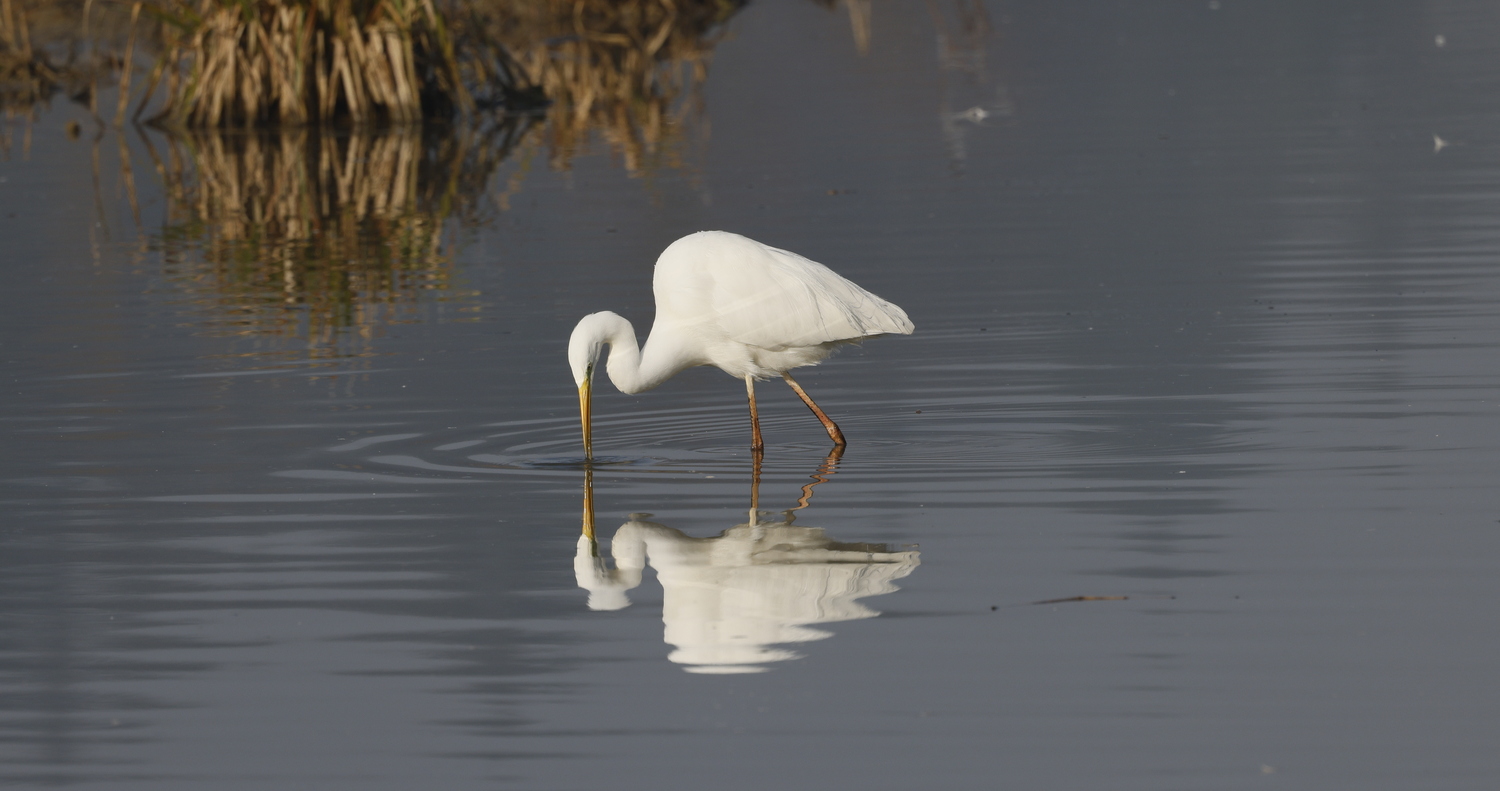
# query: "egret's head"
[[587, 341], [583, 357]]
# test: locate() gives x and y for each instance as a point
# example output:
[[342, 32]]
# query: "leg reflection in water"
[[728, 601]]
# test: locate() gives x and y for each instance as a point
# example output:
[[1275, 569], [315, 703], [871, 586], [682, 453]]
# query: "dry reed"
[[628, 68], [243, 63]]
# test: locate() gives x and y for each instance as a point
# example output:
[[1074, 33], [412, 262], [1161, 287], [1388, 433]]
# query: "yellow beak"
[[586, 408]]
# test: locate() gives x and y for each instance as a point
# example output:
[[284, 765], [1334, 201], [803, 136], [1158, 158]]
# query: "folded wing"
[[762, 296]]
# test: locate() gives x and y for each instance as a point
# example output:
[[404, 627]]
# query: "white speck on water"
[[1440, 40], [972, 115], [1438, 144]]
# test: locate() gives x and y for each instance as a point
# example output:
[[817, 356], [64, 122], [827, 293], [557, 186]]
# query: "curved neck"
[[632, 369]]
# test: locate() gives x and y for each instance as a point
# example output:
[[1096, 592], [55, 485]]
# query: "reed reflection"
[[325, 233], [312, 234], [730, 602]]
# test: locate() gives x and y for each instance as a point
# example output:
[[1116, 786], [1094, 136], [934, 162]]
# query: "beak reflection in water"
[[729, 601]]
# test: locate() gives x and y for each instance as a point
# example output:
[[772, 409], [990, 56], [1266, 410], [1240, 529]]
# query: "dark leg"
[[755, 440], [833, 429]]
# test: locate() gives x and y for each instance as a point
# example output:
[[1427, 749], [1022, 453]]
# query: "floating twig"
[[1082, 598]]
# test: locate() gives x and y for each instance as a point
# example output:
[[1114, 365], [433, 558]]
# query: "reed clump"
[[257, 63], [627, 68]]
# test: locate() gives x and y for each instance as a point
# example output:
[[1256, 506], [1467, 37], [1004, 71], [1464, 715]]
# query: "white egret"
[[751, 310]]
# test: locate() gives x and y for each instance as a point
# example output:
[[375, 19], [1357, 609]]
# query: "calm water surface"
[[1206, 298]]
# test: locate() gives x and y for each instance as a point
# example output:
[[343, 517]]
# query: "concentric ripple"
[[958, 438]]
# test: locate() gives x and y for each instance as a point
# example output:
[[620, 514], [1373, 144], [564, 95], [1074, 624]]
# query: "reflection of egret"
[[728, 600], [731, 302]]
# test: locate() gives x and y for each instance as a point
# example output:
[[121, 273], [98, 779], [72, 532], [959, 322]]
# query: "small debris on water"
[[1082, 599]]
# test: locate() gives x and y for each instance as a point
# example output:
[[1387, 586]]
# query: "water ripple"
[[959, 437]]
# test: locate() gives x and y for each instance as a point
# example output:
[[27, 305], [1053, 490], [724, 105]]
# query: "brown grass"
[[256, 63], [628, 68], [620, 65]]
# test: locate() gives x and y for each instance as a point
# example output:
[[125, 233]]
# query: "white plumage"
[[749, 309], [763, 298]]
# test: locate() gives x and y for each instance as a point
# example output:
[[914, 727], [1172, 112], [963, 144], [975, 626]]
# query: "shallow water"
[[1206, 329]]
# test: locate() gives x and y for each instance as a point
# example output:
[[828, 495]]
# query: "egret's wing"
[[777, 299]]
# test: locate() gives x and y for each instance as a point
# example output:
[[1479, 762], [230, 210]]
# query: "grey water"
[[1186, 480]]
